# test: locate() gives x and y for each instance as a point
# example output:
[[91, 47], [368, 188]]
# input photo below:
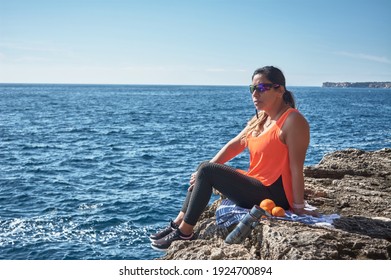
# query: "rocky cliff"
[[352, 183]]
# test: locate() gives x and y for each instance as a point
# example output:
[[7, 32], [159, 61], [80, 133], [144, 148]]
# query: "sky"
[[214, 42]]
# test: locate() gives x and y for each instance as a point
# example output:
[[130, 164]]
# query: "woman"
[[277, 138]]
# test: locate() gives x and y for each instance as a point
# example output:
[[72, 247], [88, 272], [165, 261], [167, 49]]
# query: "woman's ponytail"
[[288, 98]]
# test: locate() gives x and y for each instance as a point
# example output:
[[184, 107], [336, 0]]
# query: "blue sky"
[[215, 42]]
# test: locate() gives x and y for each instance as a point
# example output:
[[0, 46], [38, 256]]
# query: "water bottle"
[[243, 229]]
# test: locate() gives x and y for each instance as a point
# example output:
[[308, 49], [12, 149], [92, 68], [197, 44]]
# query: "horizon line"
[[123, 84]]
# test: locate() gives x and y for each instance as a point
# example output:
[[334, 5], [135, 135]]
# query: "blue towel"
[[228, 214]]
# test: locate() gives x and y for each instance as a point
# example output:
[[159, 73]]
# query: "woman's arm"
[[234, 147], [296, 135], [230, 150]]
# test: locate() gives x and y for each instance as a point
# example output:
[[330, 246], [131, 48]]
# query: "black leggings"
[[243, 190]]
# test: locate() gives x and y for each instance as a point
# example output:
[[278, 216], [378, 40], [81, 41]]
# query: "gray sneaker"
[[165, 242], [167, 230]]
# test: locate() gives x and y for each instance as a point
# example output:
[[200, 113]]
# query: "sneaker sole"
[[158, 249], [152, 239]]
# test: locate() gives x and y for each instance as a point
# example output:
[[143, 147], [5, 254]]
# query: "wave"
[[49, 237]]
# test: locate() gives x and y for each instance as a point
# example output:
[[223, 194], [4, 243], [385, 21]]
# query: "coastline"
[[357, 84]]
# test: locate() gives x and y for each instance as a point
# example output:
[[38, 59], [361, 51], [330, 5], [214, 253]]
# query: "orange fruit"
[[267, 205], [278, 211]]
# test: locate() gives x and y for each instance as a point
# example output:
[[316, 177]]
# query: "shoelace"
[[172, 235]]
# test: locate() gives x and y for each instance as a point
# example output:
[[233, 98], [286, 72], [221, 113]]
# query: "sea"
[[87, 172]]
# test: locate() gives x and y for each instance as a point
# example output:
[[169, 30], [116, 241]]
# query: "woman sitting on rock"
[[277, 138]]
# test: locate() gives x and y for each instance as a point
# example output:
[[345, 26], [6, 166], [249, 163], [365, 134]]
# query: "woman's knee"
[[205, 168], [202, 164]]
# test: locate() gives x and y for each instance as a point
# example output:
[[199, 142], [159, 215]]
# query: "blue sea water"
[[88, 171]]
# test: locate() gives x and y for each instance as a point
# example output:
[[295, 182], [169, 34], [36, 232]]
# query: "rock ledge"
[[352, 183]]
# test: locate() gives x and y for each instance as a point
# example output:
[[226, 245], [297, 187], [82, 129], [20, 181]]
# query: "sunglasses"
[[263, 87]]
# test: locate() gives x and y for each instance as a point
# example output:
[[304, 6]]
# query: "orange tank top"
[[269, 157]]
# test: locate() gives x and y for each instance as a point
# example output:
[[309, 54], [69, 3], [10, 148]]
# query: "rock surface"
[[352, 183]]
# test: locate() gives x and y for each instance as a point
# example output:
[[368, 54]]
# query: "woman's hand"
[[192, 181], [302, 211]]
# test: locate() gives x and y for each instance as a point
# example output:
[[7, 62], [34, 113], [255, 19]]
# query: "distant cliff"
[[358, 85]]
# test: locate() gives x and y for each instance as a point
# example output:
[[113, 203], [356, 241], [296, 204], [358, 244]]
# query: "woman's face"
[[264, 99]]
